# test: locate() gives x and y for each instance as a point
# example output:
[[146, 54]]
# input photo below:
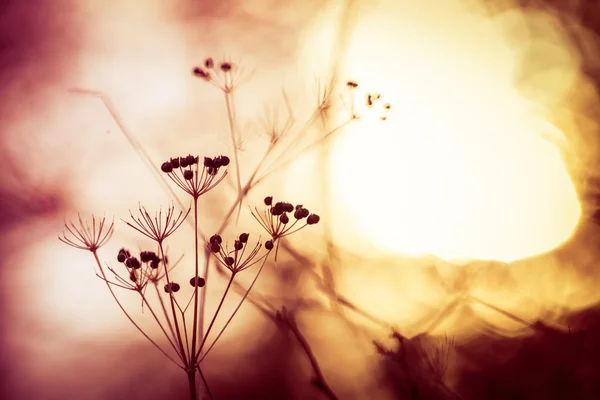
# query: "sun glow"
[[461, 169]]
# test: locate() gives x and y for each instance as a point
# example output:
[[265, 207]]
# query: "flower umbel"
[[233, 259], [86, 237], [275, 219], [161, 226], [195, 180]]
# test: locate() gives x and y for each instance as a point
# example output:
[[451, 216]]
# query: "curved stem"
[[159, 324], [127, 314]]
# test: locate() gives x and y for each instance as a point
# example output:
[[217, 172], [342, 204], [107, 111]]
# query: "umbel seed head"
[[268, 200], [215, 247], [197, 281], [147, 256], [121, 257], [188, 175], [269, 245], [238, 245], [183, 162], [244, 237], [175, 162], [216, 239]]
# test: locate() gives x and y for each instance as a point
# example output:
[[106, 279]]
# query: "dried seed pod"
[[175, 162], [216, 239], [209, 162], [269, 245], [244, 237], [133, 262], [352, 84], [229, 261], [212, 171], [190, 159], [183, 162], [215, 247], [166, 167], [268, 200], [226, 66], [172, 287], [238, 245], [188, 175], [200, 73], [313, 219], [209, 63], [121, 257], [147, 256], [284, 218], [287, 207], [197, 281], [154, 263]]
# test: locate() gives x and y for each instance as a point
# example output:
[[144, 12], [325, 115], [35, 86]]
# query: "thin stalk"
[[160, 324], [234, 311], [205, 383], [173, 312], [195, 323], [231, 118], [127, 314], [214, 318], [164, 309], [192, 384]]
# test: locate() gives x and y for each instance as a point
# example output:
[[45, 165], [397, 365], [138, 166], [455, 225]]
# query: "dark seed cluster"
[[238, 257], [193, 178], [276, 219], [213, 72], [172, 287]]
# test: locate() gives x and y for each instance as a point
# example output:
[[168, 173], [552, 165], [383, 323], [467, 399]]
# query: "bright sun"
[[460, 170]]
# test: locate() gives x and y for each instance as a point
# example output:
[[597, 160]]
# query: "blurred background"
[[456, 256]]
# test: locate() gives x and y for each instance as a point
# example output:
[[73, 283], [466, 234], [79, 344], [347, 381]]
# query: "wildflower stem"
[[205, 383], [127, 314], [231, 117], [235, 311], [160, 324], [173, 312], [166, 314], [214, 318], [192, 384], [196, 288]]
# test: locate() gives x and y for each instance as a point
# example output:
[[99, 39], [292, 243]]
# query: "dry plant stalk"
[[185, 342]]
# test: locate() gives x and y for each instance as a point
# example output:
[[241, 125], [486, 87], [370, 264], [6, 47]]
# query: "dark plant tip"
[[183, 162], [197, 281], [313, 219], [238, 245], [268, 200], [188, 175], [284, 218], [190, 159], [121, 257], [244, 237], [209, 63], [208, 162], [215, 247], [175, 162], [287, 207], [154, 263], [147, 256], [133, 263], [200, 73], [226, 66], [216, 239], [387, 106], [229, 261], [172, 287], [269, 245], [224, 161], [166, 167], [352, 84]]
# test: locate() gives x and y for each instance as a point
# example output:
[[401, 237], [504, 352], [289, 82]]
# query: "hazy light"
[[461, 169]]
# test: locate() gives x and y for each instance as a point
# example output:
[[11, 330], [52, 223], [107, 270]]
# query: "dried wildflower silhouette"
[[187, 339]]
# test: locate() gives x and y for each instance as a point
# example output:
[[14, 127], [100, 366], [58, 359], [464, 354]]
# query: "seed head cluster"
[[237, 257], [196, 180], [275, 218], [141, 270]]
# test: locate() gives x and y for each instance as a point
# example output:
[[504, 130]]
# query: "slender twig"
[[320, 381]]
